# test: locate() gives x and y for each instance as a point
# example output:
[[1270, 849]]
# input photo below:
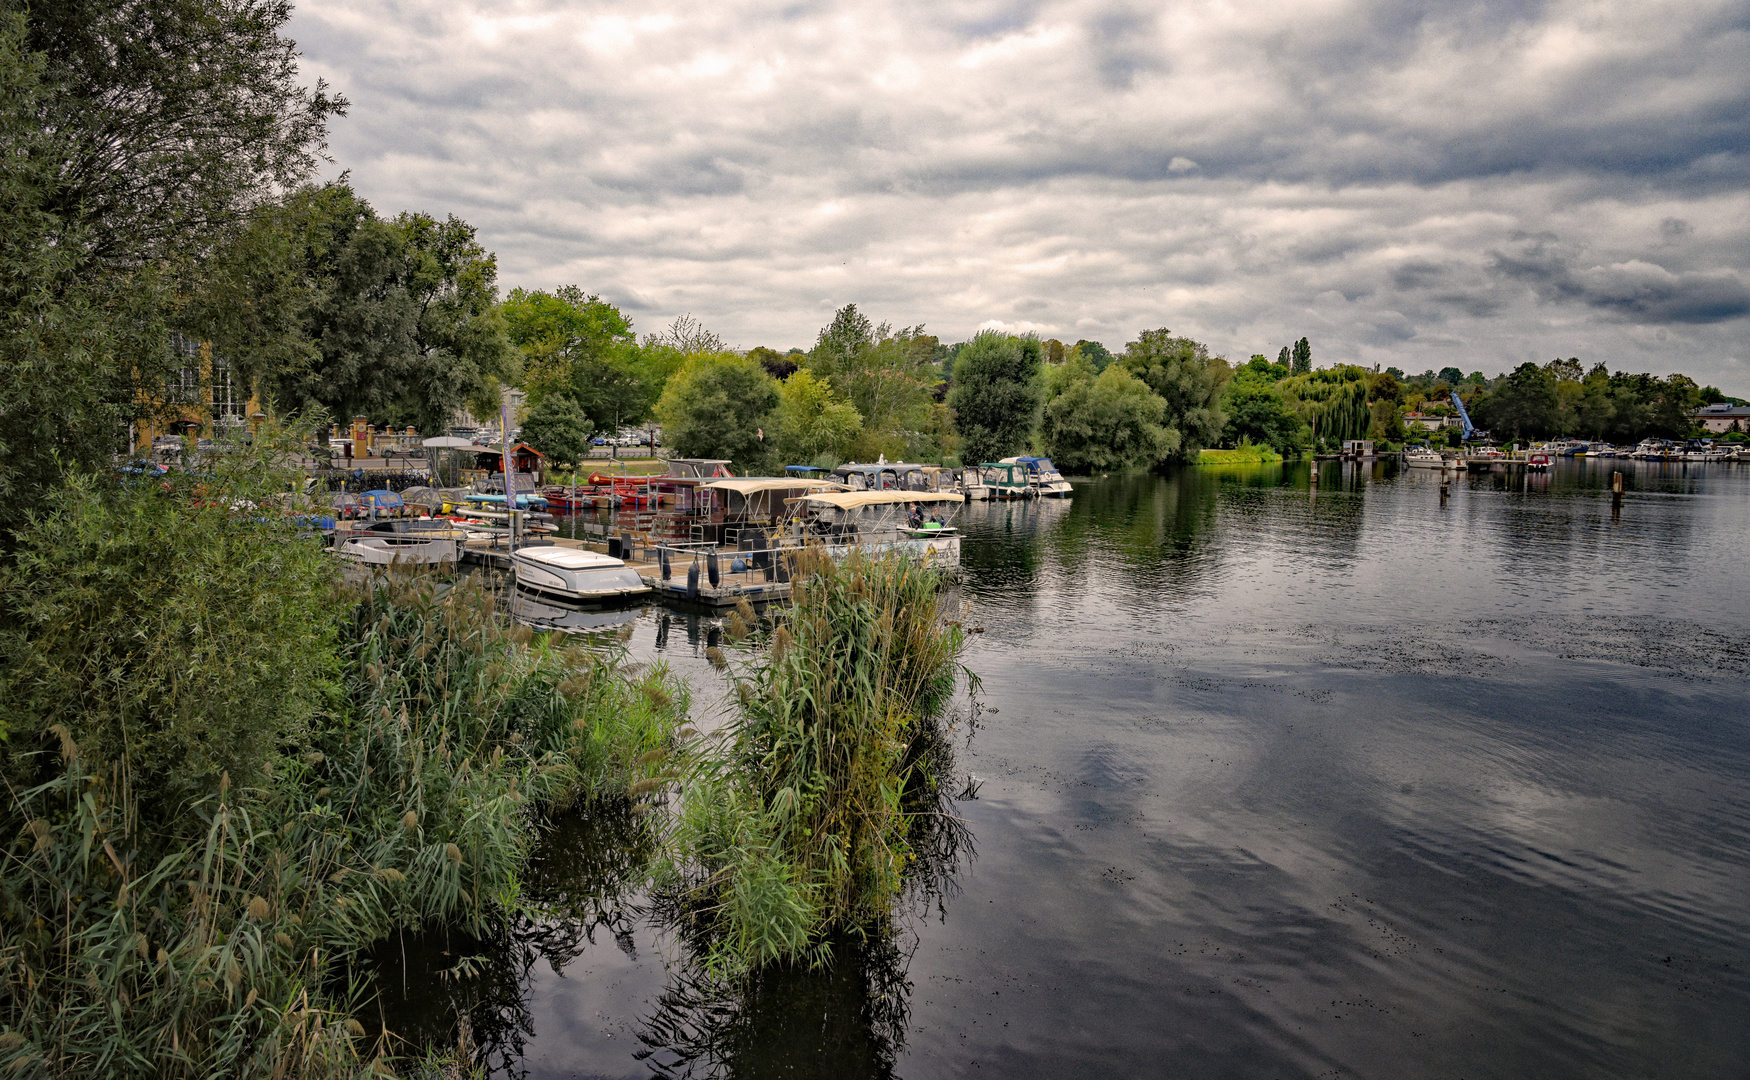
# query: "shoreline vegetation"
[[229, 774]]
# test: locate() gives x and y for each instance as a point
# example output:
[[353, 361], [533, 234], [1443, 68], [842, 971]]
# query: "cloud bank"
[[1409, 184]]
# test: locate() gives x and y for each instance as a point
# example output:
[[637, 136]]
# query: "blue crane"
[[1470, 429]]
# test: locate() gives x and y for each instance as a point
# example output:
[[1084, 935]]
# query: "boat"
[[998, 480], [1484, 457], [881, 521], [1423, 457], [1043, 476], [1538, 462], [380, 503], [575, 574], [402, 549]]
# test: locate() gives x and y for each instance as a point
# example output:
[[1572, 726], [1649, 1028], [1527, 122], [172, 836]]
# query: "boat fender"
[[711, 571], [738, 567], [693, 581], [663, 563]]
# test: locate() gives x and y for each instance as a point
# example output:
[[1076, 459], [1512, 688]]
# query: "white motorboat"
[[1042, 476], [575, 574], [403, 549], [1422, 457]]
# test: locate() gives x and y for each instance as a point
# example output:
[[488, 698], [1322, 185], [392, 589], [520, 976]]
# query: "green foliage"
[[121, 171], [812, 420], [1302, 364], [1094, 353], [174, 627], [207, 942], [1332, 401], [169, 122], [720, 406], [888, 376], [1105, 422], [1257, 412], [328, 306], [1188, 379], [996, 394], [557, 427], [795, 826], [1451, 376], [579, 346], [1523, 405]]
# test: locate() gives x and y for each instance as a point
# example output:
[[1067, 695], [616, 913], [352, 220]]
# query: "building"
[[204, 399], [1723, 417]]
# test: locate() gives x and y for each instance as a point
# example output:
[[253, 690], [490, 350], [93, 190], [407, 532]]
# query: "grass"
[[414, 803], [798, 823], [1246, 454]]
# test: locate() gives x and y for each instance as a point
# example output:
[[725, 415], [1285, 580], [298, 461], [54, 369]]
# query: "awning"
[[447, 442], [846, 500], [749, 485]]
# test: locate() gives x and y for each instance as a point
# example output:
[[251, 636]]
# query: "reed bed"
[[412, 802], [797, 825]]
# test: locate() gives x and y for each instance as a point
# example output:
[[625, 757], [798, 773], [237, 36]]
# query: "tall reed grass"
[[413, 802], [797, 825]]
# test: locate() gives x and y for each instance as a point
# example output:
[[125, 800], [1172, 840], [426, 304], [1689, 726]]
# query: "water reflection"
[[1285, 778]]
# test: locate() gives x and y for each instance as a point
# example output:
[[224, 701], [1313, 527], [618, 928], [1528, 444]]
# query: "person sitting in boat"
[[916, 520], [936, 517]]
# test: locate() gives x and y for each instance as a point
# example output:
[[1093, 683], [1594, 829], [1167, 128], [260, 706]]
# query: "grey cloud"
[[1633, 290], [1374, 173]]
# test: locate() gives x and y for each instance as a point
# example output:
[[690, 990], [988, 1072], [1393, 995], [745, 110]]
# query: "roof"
[[865, 467], [1722, 409], [846, 500], [748, 485], [448, 442]]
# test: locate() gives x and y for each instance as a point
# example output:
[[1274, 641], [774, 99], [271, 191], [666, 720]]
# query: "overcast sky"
[[1414, 184]]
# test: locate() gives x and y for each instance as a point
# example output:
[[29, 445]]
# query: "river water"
[[1273, 779]]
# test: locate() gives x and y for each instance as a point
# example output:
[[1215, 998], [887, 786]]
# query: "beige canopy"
[[749, 485], [847, 500]]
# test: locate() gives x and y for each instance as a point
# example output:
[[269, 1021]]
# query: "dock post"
[[1615, 494]]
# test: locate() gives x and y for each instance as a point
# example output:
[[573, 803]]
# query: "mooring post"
[[1615, 493]]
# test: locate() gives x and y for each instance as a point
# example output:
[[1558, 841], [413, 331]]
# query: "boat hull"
[[395, 550]]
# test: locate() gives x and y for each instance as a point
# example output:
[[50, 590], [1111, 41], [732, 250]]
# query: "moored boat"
[[575, 574]]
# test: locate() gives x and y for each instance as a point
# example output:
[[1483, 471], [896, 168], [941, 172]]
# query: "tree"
[[1521, 406], [1286, 359], [576, 345], [1106, 421], [812, 419], [1257, 412], [778, 365], [720, 406], [1451, 376], [137, 138], [889, 376], [557, 330], [1188, 379], [559, 429], [1094, 353], [394, 320], [171, 120], [995, 396], [1302, 357]]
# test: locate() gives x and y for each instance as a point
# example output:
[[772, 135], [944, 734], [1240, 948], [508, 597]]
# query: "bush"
[[143, 939], [801, 823]]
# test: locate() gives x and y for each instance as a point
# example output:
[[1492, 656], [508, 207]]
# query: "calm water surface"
[[1276, 781]]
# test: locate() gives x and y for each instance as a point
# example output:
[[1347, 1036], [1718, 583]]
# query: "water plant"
[[157, 923], [796, 824]]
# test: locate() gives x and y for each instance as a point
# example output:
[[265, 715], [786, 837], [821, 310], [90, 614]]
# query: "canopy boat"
[[998, 480], [1538, 461], [1043, 476], [575, 574], [381, 503], [883, 521], [1423, 457]]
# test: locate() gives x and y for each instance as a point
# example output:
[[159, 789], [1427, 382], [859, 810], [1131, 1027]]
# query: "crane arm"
[[1464, 415]]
